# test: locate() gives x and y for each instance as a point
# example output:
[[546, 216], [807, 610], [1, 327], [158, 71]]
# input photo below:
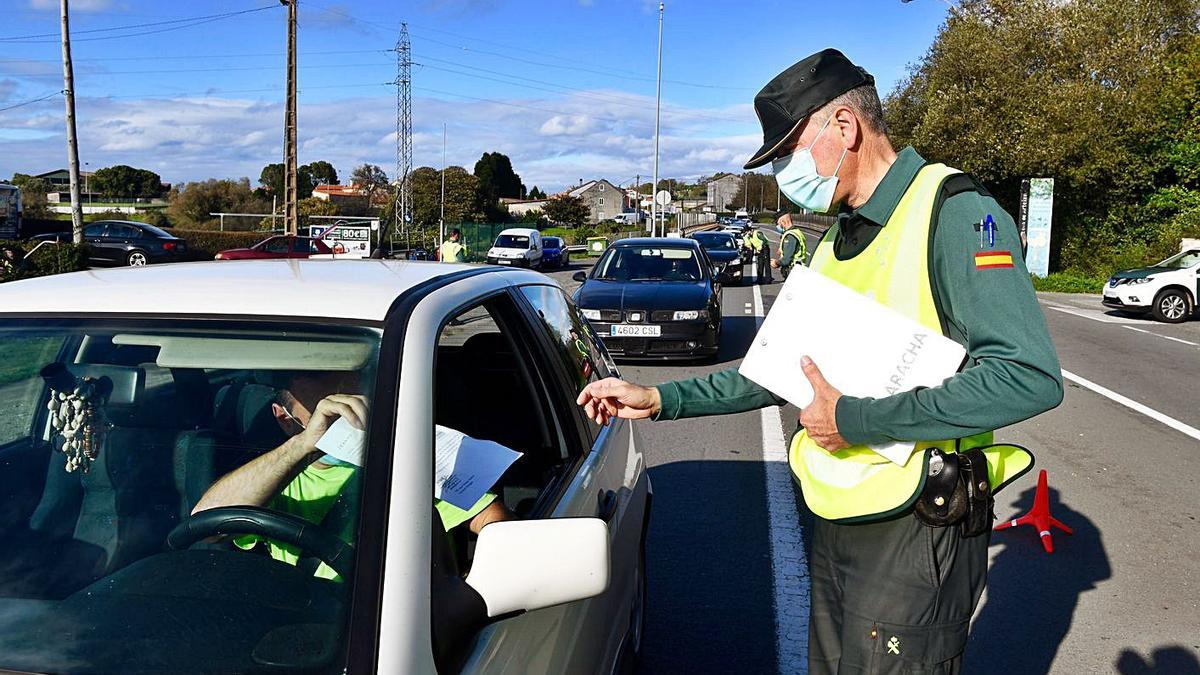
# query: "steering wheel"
[[266, 523]]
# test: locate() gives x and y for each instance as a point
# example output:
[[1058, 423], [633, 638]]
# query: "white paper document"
[[863, 348], [342, 441], [467, 467]]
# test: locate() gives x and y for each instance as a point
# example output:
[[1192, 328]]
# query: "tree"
[[33, 195], [320, 173], [1100, 95], [122, 181], [497, 180], [462, 196], [371, 178], [567, 210], [192, 203], [272, 180], [532, 217], [536, 193]]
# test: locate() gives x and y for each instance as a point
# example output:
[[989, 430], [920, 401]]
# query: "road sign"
[[662, 198], [1040, 210]]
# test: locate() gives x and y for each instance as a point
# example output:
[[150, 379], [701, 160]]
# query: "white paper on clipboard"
[[863, 348]]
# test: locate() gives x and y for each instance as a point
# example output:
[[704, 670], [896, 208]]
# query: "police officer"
[[891, 593], [451, 250], [792, 248], [761, 251]]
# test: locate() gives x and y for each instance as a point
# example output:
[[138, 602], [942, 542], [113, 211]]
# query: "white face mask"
[[799, 181]]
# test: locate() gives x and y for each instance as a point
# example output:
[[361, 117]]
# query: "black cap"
[[797, 92]]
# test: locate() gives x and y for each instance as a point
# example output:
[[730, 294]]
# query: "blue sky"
[[564, 87]]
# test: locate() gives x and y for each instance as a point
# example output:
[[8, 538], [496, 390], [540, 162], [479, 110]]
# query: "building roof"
[[723, 176], [51, 173], [314, 289]]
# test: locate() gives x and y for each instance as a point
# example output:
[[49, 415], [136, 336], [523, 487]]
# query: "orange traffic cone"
[[1039, 516]]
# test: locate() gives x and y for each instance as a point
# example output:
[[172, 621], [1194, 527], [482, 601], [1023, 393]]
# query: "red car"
[[282, 246]]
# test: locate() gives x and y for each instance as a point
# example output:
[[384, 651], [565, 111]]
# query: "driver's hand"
[[353, 408]]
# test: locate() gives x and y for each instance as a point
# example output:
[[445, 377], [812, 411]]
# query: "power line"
[[174, 24], [31, 101], [159, 57]]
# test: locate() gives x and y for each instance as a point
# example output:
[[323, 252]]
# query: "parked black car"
[[724, 252], [126, 242], [654, 298]]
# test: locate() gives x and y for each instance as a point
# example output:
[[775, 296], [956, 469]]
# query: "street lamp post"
[[657, 108]]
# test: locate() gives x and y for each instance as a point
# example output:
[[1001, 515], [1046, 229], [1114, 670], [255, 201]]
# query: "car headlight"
[[690, 315], [1143, 280], [591, 314]]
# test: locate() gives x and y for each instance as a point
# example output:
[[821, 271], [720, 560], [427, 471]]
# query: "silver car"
[[127, 395]]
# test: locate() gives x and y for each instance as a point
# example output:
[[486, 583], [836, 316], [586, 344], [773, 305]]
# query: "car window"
[[490, 385], [512, 241], [94, 230], [122, 231], [276, 245], [20, 384], [132, 427], [649, 263], [576, 346], [303, 245], [1182, 260]]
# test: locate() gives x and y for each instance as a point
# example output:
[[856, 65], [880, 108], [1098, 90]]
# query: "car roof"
[[519, 230], [315, 289], [123, 222]]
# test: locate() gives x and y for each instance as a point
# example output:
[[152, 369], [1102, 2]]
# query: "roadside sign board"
[[662, 198], [1039, 213], [347, 241]]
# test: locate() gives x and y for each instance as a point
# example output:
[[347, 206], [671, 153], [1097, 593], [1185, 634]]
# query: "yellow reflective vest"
[[755, 241], [801, 247], [452, 251], [856, 484]]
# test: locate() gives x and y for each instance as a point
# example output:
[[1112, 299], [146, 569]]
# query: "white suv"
[[1168, 290]]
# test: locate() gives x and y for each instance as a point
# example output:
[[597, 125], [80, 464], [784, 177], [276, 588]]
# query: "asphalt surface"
[[1120, 595]]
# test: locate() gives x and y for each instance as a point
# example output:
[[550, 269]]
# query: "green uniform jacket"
[[1012, 372], [788, 252]]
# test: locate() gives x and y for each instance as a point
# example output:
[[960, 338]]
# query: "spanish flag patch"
[[987, 260]]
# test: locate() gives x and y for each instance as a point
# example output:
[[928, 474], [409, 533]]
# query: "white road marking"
[[788, 563], [1165, 337], [1092, 314], [1134, 405]]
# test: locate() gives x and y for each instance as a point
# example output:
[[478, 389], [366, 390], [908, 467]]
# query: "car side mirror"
[[523, 565], [579, 276]]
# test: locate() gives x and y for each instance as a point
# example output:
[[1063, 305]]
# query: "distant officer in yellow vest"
[[896, 570], [792, 248], [451, 250], [761, 251]]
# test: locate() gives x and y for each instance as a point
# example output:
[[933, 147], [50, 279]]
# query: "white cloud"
[[553, 142]]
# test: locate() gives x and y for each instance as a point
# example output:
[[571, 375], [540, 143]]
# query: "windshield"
[[648, 263], [715, 242], [512, 241], [551, 242], [111, 434], [1181, 261]]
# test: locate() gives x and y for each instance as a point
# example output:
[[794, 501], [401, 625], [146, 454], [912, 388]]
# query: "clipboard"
[[862, 347]]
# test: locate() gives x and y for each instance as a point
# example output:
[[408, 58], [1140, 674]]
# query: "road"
[[1120, 595]]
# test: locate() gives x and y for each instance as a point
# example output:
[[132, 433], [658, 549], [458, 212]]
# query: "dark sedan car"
[[653, 299], [281, 246], [554, 252], [126, 242], [724, 252]]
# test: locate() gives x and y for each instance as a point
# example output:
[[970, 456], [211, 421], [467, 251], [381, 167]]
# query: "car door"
[[119, 239], [94, 235], [597, 480]]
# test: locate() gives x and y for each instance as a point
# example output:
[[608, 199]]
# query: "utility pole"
[[657, 107], [442, 216], [762, 191], [72, 142], [290, 170]]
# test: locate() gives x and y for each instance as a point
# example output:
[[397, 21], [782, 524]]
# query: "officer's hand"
[[353, 408], [610, 397], [775, 263], [820, 417]]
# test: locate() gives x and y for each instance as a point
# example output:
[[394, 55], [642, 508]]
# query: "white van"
[[518, 246]]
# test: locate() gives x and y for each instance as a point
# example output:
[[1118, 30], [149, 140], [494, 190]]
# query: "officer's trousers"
[[892, 597]]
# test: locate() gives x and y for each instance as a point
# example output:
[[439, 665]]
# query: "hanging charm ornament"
[[77, 417]]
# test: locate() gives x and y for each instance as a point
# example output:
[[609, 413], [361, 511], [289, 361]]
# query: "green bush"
[[579, 235], [204, 244], [47, 260], [1069, 282]]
